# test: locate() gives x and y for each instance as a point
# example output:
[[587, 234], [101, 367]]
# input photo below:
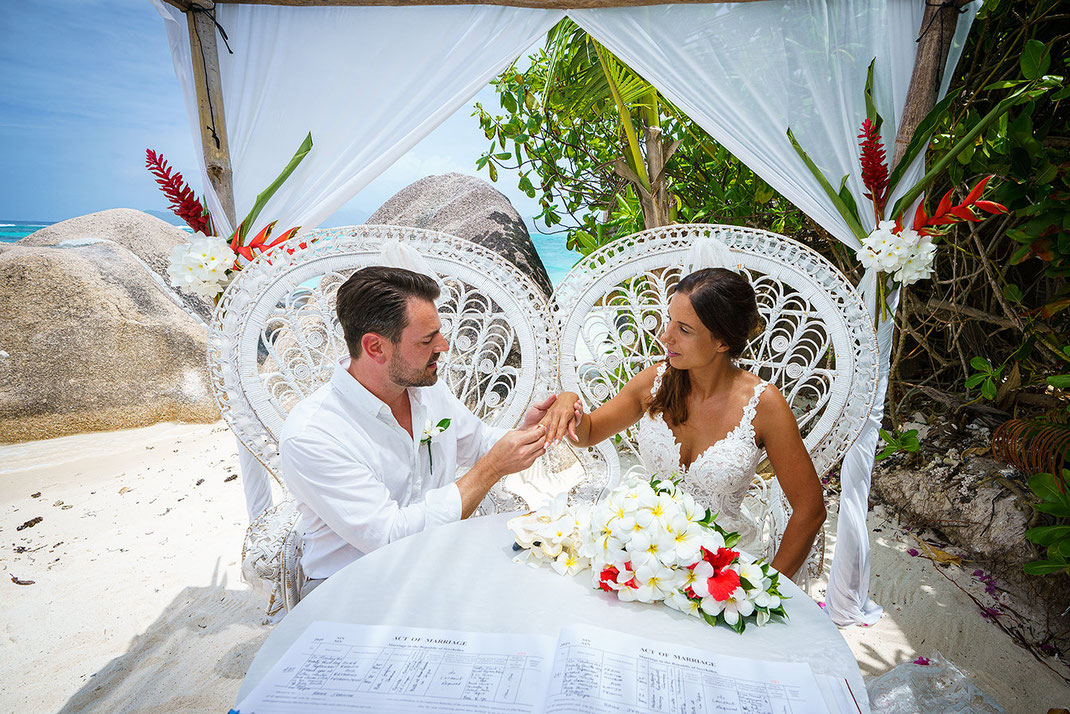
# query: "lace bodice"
[[720, 476]]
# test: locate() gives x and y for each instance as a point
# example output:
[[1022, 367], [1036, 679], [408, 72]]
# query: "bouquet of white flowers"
[[650, 541]]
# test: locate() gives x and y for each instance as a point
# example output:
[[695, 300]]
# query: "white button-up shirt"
[[360, 480]]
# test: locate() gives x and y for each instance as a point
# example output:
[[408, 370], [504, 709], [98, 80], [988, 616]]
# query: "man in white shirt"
[[355, 453]]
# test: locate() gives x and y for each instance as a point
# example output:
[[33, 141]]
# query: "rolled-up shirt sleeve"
[[348, 497]]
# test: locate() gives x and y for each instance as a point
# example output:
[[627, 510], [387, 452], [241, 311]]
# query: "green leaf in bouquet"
[[920, 139], [740, 625], [745, 584], [850, 218], [871, 108], [261, 200]]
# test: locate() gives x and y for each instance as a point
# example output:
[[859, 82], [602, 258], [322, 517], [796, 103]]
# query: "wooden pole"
[[937, 30], [202, 41]]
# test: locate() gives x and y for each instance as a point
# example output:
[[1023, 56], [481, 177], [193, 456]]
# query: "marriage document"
[[343, 668], [335, 667]]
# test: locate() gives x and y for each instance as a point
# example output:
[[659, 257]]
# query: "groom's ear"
[[374, 345]]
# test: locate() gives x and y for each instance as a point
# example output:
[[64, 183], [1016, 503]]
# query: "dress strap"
[[657, 378], [752, 406]]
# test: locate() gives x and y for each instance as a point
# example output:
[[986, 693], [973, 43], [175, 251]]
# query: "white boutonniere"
[[430, 432]]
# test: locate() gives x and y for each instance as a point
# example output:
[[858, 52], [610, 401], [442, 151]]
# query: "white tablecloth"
[[461, 577]]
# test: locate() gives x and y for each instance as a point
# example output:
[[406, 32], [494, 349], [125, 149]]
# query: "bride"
[[705, 419]]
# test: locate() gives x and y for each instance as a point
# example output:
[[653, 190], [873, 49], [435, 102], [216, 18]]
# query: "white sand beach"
[[137, 603]]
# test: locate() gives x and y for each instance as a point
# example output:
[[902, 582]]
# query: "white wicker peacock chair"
[[818, 346], [274, 339]]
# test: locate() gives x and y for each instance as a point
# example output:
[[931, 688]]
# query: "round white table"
[[461, 576]]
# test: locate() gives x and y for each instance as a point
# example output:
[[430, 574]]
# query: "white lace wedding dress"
[[719, 477]]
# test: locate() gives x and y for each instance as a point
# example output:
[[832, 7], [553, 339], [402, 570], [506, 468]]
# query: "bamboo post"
[[937, 30], [202, 40]]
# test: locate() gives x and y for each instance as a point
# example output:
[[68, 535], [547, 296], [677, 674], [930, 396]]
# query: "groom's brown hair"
[[375, 299]]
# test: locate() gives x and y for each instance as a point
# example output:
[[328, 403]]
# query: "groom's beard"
[[404, 375]]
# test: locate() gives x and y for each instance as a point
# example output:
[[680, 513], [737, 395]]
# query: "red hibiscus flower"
[[723, 584], [721, 559], [606, 577]]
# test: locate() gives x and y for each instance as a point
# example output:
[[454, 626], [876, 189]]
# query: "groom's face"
[[414, 362]]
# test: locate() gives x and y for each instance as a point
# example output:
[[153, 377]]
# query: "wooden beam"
[[202, 41], [937, 30], [540, 4]]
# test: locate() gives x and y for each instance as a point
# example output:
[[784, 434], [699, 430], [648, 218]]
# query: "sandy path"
[[137, 603]]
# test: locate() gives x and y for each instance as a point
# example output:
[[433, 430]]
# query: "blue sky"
[[87, 85]]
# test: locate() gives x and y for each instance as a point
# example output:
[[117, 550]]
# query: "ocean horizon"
[[557, 259]]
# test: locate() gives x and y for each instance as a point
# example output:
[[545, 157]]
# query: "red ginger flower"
[[183, 201], [874, 170]]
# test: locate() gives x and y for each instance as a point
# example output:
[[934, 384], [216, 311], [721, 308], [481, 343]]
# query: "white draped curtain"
[[370, 82]]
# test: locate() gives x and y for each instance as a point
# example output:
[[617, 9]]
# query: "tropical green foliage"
[[1000, 293], [1054, 538], [582, 132]]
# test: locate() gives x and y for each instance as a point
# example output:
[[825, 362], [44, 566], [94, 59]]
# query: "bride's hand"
[[562, 417]]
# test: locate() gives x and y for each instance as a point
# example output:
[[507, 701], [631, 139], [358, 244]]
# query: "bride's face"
[[688, 344]]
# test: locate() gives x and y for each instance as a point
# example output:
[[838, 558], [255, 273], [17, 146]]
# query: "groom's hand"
[[518, 449]]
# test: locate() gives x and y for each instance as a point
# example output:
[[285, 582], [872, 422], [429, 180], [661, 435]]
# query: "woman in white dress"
[[705, 420]]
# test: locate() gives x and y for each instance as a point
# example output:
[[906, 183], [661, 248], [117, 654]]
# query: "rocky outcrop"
[[93, 341], [980, 506], [470, 208], [147, 237]]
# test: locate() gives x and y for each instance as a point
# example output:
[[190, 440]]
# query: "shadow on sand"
[[192, 658]]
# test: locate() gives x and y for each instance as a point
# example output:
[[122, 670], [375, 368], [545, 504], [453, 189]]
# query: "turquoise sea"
[[557, 259]]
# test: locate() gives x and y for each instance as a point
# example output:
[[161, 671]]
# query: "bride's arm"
[[775, 425], [614, 416]]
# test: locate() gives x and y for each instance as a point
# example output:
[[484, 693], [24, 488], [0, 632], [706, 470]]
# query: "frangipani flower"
[[569, 564], [651, 541], [732, 608], [679, 600]]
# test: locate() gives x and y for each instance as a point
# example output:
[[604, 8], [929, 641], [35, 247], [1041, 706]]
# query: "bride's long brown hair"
[[726, 305]]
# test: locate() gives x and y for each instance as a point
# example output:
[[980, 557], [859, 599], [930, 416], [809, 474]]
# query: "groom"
[[357, 455]]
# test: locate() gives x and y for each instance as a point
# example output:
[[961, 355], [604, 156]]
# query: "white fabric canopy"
[[370, 82]]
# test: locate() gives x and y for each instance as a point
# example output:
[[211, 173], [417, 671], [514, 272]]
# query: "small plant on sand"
[[895, 442]]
